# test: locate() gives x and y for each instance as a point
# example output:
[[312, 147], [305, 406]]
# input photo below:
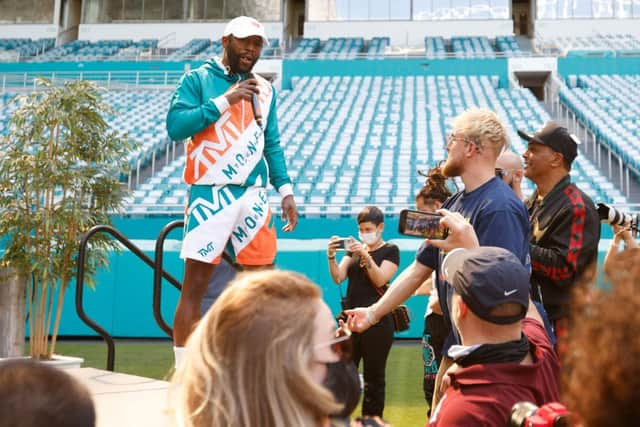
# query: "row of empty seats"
[[596, 45], [103, 50], [609, 105], [140, 114], [16, 49], [434, 47], [345, 150], [206, 48], [113, 50], [340, 47]]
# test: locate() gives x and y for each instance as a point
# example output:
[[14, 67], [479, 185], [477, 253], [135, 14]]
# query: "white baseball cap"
[[243, 27]]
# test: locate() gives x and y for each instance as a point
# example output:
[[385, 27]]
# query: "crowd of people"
[[512, 316], [228, 116]]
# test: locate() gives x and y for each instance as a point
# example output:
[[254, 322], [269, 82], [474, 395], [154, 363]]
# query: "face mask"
[[368, 238], [343, 381]]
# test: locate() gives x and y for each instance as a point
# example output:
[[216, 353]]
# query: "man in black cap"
[[564, 223], [505, 356]]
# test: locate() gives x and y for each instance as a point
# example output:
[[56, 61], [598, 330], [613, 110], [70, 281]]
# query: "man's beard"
[[233, 59], [451, 168]]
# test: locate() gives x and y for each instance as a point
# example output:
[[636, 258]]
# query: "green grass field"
[[405, 405]]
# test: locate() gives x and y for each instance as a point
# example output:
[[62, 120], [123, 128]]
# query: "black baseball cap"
[[557, 137], [487, 277]]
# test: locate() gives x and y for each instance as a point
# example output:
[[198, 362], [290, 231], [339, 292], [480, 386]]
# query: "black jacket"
[[565, 230]]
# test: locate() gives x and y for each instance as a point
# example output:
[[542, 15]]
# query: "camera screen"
[[421, 224]]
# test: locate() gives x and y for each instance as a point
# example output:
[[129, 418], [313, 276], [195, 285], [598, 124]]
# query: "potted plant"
[[60, 169]]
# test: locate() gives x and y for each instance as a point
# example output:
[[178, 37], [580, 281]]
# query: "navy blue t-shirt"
[[498, 217]]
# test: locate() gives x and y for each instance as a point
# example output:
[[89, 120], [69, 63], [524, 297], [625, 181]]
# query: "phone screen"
[[421, 224], [343, 243]]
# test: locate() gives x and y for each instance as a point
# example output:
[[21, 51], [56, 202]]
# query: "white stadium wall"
[[408, 33], [28, 31], [553, 28], [171, 34]]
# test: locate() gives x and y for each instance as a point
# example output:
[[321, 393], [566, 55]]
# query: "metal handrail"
[[157, 276], [157, 279], [80, 282]]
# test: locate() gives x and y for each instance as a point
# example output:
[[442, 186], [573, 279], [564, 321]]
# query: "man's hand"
[[332, 246], [289, 213], [446, 378], [461, 233], [358, 248], [623, 234], [358, 320], [242, 90]]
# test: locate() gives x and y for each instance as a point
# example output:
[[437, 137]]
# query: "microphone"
[[255, 105]]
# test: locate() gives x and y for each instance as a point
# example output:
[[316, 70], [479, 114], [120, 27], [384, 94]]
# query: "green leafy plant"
[[60, 168]]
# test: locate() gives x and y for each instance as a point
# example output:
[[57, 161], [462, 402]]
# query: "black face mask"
[[508, 352], [344, 382]]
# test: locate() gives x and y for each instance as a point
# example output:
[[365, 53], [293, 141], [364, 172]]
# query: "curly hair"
[[435, 187], [601, 376]]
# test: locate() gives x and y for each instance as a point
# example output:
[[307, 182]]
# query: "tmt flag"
[[210, 146]]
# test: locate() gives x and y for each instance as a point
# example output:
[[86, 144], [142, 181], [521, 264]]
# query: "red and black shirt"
[[565, 231]]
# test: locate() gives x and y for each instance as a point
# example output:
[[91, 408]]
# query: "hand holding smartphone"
[[425, 225], [343, 243]]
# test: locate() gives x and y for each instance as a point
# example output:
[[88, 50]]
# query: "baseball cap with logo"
[[557, 137], [243, 27], [487, 277]]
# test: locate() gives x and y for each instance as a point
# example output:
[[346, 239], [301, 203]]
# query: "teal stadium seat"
[[344, 151], [609, 105]]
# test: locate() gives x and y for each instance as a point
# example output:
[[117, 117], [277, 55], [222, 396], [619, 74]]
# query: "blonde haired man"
[[498, 216]]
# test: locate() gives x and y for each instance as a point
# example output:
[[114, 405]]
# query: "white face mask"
[[369, 238]]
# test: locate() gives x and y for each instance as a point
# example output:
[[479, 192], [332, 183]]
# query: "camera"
[[613, 216], [526, 414], [421, 224], [344, 242]]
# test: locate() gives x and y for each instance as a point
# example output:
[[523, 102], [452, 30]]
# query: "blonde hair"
[[483, 126], [248, 362]]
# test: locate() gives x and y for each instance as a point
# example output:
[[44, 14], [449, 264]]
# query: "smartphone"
[[344, 242], [421, 224]]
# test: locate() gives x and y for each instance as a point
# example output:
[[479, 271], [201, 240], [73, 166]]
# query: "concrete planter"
[[58, 361]]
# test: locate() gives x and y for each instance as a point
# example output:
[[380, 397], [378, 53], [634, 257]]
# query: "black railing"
[[158, 271], [158, 274]]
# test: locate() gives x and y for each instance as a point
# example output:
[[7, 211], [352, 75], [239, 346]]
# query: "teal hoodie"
[[228, 146]]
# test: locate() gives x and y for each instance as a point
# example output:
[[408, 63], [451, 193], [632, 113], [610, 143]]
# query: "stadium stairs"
[[599, 158]]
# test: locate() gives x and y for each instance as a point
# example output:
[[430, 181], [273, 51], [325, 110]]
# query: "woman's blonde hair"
[[248, 362], [484, 127]]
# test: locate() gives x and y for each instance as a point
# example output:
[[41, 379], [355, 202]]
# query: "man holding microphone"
[[228, 117]]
